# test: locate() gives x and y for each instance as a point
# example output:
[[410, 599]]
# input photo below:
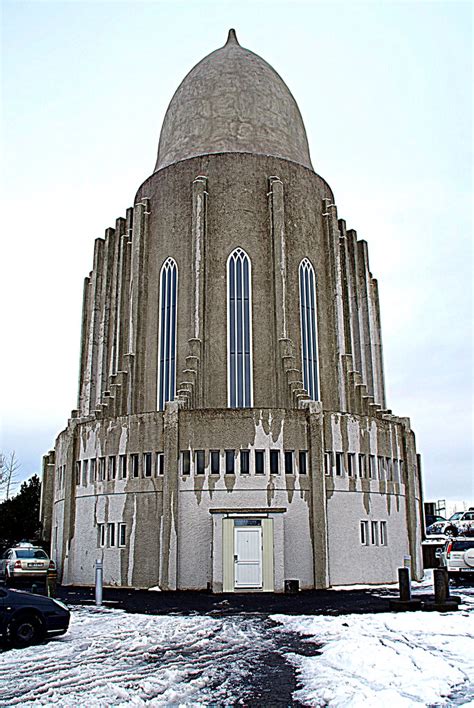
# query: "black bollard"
[[404, 603], [441, 585], [404, 584]]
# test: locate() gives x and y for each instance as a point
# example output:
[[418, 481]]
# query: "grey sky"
[[385, 90]]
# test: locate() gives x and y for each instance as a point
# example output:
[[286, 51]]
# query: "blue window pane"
[[239, 330], [309, 342], [167, 328]]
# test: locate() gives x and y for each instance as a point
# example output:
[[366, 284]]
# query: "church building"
[[231, 430]]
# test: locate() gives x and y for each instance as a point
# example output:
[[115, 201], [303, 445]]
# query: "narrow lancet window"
[[309, 339], [239, 331], [167, 333]]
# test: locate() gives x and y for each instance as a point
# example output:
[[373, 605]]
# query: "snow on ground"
[[408, 659], [112, 658]]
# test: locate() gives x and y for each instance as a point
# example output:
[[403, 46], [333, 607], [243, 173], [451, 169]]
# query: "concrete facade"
[[167, 497]]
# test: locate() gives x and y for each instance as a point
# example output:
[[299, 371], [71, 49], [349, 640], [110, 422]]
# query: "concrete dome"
[[232, 101]]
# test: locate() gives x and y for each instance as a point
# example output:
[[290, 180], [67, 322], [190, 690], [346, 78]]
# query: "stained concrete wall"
[[181, 555]]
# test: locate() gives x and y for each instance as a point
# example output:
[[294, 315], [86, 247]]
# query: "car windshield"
[[462, 545], [30, 553], [455, 516]]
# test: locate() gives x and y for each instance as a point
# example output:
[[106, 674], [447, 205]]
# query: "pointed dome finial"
[[232, 38]]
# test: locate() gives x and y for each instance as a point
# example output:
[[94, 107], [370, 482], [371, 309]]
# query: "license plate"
[[35, 565]]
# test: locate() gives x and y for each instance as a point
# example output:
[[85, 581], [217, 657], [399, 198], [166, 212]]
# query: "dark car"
[[26, 618]]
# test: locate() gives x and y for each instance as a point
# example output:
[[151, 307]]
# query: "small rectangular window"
[[274, 461], [362, 471], [101, 468], [147, 464], [350, 464], [372, 467], [289, 457], [92, 467], [383, 533], [244, 462], [111, 534], [380, 461], [215, 462], [364, 532], [339, 464], [401, 463], [374, 537], [135, 464], [111, 469], [101, 535], [328, 462], [199, 461], [388, 467], [160, 463], [230, 461], [303, 462], [185, 462], [123, 466], [78, 473], [122, 535], [85, 470], [259, 461], [396, 471]]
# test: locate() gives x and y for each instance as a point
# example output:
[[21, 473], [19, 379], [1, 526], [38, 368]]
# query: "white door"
[[248, 556]]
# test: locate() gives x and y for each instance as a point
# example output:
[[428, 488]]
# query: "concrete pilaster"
[[47, 495], [314, 417], [90, 370], [169, 519], [115, 296], [138, 297], [84, 375], [336, 278], [413, 499], [103, 342], [379, 393], [364, 316], [198, 324]]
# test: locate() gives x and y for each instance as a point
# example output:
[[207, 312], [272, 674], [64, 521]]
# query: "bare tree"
[[9, 466]]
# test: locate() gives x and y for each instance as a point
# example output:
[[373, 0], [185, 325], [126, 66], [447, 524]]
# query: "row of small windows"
[[361, 465], [101, 469], [239, 331], [373, 533], [243, 462], [112, 535]]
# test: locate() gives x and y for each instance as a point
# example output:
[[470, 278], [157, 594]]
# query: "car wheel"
[[451, 531], [25, 630]]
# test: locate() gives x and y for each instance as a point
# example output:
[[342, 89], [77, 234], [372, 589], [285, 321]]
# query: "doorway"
[[248, 553]]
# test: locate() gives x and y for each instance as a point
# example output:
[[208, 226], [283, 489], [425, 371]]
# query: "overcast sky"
[[385, 90]]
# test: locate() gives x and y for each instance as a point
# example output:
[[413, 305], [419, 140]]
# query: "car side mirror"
[[438, 553]]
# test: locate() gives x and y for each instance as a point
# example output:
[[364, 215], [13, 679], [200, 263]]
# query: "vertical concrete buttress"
[[314, 418], [106, 296], [90, 371], [84, 374], [364, 316], [47, 495], [198, 324], [336, 277], [378, 350], [169, 519]]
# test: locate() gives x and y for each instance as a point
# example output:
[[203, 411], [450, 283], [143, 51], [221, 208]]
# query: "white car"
[[462, 522], [457, 556], [24, 561]]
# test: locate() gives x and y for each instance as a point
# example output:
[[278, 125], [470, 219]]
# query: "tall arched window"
[[167, 333], [309, 337], [239, 330]]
